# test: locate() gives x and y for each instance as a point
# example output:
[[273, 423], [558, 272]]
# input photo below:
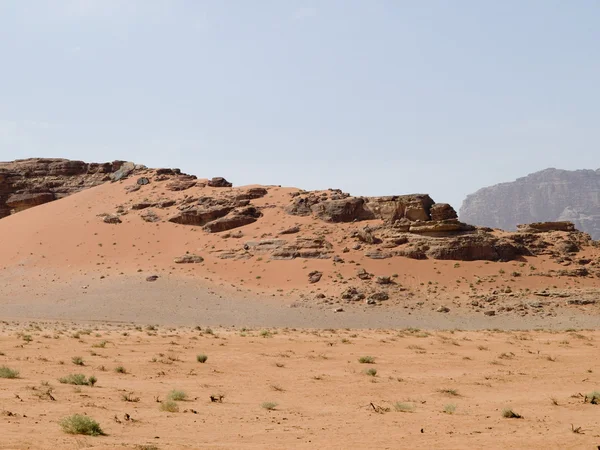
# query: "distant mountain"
[[548, 195]]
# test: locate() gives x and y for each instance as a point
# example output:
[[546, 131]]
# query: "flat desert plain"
[[296, 388]]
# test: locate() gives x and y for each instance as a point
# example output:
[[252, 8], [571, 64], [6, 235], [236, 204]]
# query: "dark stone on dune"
[[111, 219], [237, 218], [252, 193], [379, 296], [149, 216], [165, 171], [152, 278], [200, 216], [189, 259], [314, 276], [141, 205], [180, 185], [291, 230], [219, 182]]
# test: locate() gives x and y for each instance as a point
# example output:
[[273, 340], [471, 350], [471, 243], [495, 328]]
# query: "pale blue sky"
[[374, 97]]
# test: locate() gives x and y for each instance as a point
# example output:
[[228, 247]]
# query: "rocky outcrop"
[[200, 216], [237, 218], [219, 182], [414, 213], [31, 182], [545, 227], [189, 259], [546, 196]]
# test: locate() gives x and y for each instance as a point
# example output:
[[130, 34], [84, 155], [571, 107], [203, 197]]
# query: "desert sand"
[[428, 389], [444, 367]]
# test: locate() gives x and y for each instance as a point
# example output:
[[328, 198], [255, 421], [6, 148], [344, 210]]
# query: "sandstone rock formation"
[[549, 195], [31, 182]]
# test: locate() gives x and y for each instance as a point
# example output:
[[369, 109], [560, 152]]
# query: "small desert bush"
[[177, 396], [593, 398], [7, 372], [269, 406], [78, 424], [129, 397], [404, 407], [366, 360], [77, 360], [449, 409], [452, 392], [78, 379], [201, 358], [508, 413], [169, 406], [120, 369], [371, 372]]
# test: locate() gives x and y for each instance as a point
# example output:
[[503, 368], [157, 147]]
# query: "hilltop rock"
[[26, 183], [219, 182], [547, 196]]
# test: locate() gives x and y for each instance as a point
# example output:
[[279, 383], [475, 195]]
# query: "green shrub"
[[177, 396], [77, 360], [78, 424], [371, 372], [366, 360], [404, 407], [7, 372], [169, 406], [201, 358], [269, 406], [449, 409], [78, 379], [120, 369]]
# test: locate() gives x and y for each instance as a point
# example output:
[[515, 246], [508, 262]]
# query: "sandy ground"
[[430, 390]]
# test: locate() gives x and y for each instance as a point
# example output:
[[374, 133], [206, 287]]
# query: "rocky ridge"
[[31, 182]]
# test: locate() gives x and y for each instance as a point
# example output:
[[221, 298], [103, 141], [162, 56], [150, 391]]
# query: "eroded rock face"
[[200, 216], [31, 182], [549, 195], [544, 227], [237, 218], [219, 182]]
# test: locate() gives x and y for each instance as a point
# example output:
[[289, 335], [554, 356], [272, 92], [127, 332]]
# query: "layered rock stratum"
[[548, 195], [31, 182]]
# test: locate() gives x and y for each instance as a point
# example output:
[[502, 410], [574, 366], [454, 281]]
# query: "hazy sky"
[[374, 97]]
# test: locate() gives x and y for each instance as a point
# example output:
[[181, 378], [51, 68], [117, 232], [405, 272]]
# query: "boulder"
[[149, 216], [189, 259], [442, 211], [200, 216], [110, 218], [235, 219], [219, 182], [344, 210], [314, 276], [252, 193], [180, 184]]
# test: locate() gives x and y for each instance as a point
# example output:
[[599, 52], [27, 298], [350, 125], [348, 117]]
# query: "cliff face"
[[30, 182], [548, 195]]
